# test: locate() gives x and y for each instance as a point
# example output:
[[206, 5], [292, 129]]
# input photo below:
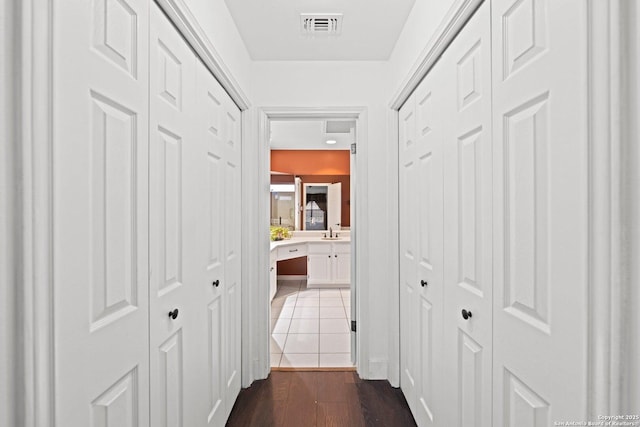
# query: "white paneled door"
[[195, 245], [211, 157], [100, 210], [146, 210], [421, 154], [175, 267], [468, 286], [217, 133], [409, 328], [428, 191], [540, 208], [508, 98]]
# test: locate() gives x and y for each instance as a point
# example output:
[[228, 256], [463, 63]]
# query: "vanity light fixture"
[[331, 141]]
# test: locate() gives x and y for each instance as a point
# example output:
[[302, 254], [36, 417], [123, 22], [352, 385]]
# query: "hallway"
[[489, 175]]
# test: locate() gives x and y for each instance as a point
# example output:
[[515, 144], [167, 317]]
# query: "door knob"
[[216, 283], [173, 314], [424, 283], [466, 314]]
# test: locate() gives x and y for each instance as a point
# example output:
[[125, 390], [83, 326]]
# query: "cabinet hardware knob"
[[173, 314], [466, 314], [423, 283], [329, 256], [336, 255], [216, 283]]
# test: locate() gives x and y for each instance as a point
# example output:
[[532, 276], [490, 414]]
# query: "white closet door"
[[231, 286], [175, 262], [210, 125], [468, 297], [100, 210], [427, 223], [409, 285], [540, 209]]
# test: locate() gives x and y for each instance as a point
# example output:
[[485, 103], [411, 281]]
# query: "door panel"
[[429, 229], [540, 208], [100, 209], [174, 202], [232, 273], [468, 224], [210, 98], [171, 381], [409, 350]]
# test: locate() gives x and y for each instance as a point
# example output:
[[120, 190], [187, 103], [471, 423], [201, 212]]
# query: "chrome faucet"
[[330, 232]]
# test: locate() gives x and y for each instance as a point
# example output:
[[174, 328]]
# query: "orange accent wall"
[[311, 162]]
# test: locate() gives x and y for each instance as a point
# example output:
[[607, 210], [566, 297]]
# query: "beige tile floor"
[[310, 327]]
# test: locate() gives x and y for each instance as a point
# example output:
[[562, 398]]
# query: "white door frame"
[[610, 29], [256, 181]]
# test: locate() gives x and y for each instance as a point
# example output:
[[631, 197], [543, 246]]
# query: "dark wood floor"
[[334, 399]]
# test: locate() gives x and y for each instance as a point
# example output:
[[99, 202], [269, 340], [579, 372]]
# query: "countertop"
[[315, 237]]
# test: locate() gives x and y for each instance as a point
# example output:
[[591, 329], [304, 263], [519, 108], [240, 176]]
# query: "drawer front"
[[320, 248], [292, 251]]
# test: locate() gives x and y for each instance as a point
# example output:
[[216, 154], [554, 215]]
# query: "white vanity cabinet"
[[329, 264]]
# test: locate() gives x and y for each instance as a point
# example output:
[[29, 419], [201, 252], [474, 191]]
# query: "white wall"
[[7, 273], [216, 21], [353, 84], [424, 19], [631, 216]]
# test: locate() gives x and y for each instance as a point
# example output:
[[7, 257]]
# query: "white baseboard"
[[292, 277], [328, 286]]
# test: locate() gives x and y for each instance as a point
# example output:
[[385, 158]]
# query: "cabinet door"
[[341, 263], [467, 225], [176, 269], [100, 212], [319, 269], [540, 208]]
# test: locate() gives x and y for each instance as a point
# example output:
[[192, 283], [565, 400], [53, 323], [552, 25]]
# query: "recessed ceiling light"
[[331, 141]]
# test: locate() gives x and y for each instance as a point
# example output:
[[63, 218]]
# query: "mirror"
[[322, 206], [299, 205]]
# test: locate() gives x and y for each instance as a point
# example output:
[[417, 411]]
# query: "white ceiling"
[[307, 135], [271, 28]]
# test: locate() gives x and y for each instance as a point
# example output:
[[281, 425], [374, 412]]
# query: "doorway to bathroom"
[[312, 251]]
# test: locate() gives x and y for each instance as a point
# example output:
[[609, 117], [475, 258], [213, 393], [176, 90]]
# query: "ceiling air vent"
[[321, 23]]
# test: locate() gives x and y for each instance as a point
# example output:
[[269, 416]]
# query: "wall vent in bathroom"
[[321, 23]]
